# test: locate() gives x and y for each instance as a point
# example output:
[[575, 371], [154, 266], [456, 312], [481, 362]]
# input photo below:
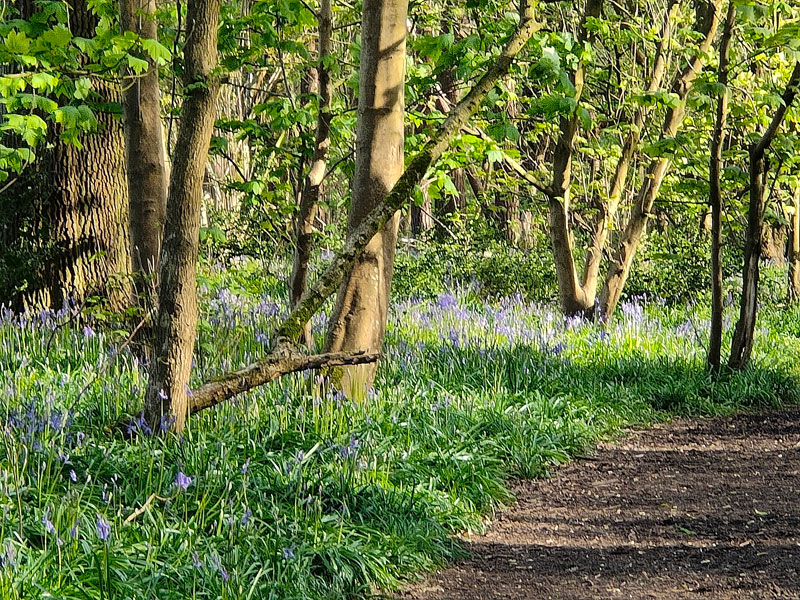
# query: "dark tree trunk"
[[715, 193], [312, 187], [743, 335], [63, 223], [176, 322]]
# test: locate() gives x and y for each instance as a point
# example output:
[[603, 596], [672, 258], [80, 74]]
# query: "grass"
[[296, 492]]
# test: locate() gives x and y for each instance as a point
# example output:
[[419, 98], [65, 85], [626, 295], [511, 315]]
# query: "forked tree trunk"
[[176, 321], [794, 251], [609, 207], [63, 223], [144, 150], [715, 193], [743, 335], [571, 294], [312, 187], [631, 237], [358, 321]]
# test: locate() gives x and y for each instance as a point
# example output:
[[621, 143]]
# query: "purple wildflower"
[[103, 528], [182, 481]]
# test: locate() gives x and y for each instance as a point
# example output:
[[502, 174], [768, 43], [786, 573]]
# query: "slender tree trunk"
[[621, 263], [794, 251], [63, 223], [358, 321], [608, 209], [144, 148], [570, 293], [312, 187], [743, 335], [176, 322], [715, 193]]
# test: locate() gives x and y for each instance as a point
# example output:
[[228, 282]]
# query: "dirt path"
[[693, 509]]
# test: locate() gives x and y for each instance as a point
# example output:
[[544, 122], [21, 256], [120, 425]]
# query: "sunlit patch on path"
[[693, 509]]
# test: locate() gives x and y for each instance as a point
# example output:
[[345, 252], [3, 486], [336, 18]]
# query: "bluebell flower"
[[182, 481], [288, 552], [103, 528]]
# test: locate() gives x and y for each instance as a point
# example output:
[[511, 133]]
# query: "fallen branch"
[[281, 361]]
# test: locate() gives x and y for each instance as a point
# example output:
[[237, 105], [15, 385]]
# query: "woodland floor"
[[691, 509]]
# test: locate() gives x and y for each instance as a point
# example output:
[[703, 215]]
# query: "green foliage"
[[295, 492]]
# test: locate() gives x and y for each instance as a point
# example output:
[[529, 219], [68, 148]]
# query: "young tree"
[[622, 260], [176, 321], [312, 187], [715, 193], [743, 335], [358, 320]]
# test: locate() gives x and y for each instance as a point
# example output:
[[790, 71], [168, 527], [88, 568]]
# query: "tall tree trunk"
[[176, 322], [144, 148], [743, 335], [63, 223], [570, 293], [621, 263], [358, 321], [794, 251], [312, 187], [715, 193]]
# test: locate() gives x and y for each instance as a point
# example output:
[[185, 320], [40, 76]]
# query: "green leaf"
[[156, 51], [137, 64]]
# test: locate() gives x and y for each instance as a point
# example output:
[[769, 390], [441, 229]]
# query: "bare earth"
[[693, 509]]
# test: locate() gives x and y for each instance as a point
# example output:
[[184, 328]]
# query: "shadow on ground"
[[693, 509]]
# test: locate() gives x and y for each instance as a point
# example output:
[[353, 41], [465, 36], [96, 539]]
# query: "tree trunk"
[[63, 224], [144, 149], [312, 187], [621, 263], [743, 335], [176, 322], [572, 298], [715, 193], [358, 321], [794, 251], [608, 208]]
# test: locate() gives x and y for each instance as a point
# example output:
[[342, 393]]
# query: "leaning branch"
[[285, 358], [282, 361], [399, 195]]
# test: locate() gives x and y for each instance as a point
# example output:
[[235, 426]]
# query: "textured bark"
[[312, 187], [715, 193], [743, 335], [63, 223], [358, 321], [794, 251], [144, 148], [176, 321], [621, 263]]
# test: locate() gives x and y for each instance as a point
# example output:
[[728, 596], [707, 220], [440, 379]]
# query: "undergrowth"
[[293, 491]]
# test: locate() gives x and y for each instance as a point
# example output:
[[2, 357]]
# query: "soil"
[[691, 509]]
